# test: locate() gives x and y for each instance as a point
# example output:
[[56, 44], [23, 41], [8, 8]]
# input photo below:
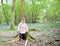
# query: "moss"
[[29, 37], [33, 29], [57, 34], [11, 27]]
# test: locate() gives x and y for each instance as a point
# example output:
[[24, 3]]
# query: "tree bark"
[[22, 8], [0, 21], [33, 11], [32, 17], [12, 14], [16, 18], [6, 1]]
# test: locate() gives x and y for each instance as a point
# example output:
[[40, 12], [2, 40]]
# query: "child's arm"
[[26, 28], [19, 27]]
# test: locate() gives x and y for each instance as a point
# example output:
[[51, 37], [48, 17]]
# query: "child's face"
[[23, 21]]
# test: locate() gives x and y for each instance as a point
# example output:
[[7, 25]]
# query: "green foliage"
[[7, 11], [34, 10]]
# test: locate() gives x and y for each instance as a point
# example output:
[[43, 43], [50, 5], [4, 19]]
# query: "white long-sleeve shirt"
[[22, 28]]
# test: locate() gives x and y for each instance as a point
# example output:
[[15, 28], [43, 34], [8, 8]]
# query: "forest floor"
[[50, 37]]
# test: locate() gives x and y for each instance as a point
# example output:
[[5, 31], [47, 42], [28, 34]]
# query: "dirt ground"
[[46, 38]]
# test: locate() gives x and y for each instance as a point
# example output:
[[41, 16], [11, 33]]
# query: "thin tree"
[[22, 9], [4, 13], [33, 12], [6, 1], [12, 14], [0, 20]]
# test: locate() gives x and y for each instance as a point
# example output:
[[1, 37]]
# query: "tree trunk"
[[32, 17], [33, 11], [12, 14], [22, 8], [6, 1], [16, 18], [27, 18], [0, 21], [3, 9]]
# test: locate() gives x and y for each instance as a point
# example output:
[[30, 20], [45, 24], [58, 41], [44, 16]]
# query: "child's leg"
[[21, 36], [24, 36]]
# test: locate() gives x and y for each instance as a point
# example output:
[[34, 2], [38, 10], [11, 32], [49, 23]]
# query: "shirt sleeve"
[[26, 28], [19, 26]]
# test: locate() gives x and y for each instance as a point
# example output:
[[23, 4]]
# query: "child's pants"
[[23, 36]]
